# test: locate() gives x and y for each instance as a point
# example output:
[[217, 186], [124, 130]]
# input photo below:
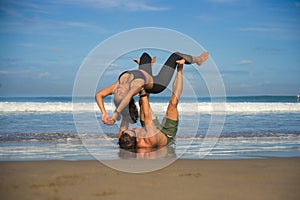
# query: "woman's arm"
[[99, 99], [135, 87]]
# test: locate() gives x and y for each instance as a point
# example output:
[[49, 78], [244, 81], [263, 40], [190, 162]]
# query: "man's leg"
[[172, 111]]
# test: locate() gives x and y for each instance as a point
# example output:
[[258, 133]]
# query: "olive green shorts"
[[168, 127]]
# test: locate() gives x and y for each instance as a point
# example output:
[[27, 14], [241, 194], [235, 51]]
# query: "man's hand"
[[110, 122], [106, 119]]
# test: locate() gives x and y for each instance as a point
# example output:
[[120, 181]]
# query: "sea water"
[[43, 128]]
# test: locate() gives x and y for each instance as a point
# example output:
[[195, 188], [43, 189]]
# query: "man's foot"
[[202, 58]]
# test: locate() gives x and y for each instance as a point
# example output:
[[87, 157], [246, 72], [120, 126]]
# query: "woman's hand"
[[99, 99], [113, 118], [105, 118]]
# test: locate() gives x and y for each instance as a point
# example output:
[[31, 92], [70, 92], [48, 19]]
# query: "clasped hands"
[[109, 121]]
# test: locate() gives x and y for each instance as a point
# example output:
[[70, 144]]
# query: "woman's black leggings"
[[163, 78]]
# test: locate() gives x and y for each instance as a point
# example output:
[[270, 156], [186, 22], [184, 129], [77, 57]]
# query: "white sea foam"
[[186, 108]]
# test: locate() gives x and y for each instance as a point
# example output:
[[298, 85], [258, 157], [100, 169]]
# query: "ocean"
[[48, 128]]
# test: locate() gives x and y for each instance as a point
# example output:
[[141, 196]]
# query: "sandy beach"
[[272, 178]]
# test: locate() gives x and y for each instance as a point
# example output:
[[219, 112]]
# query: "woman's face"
[[120, 93]]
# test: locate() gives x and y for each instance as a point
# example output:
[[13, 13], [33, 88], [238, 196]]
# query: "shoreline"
[[266, 178]]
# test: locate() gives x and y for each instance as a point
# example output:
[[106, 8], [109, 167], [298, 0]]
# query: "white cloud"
[[223, 1], [269, 50], [24, 74], [53, 24], [264, 83], [129, 5], [113, 65], [258, 29], [10, 12], [24, 4], [4, 72], [23, 22], [43, 74], [27, 45], [278, 30], [29, 26], [115, 72], [244, 85], [14, 73], [244, 62]]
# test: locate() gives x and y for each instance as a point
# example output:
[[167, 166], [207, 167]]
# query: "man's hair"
[[127, 142]]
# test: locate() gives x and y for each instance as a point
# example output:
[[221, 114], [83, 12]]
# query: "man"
[[153, 134]]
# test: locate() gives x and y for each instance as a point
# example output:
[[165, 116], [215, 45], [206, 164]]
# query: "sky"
[[255, 44]]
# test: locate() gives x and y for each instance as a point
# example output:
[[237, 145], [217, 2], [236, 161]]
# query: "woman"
[[131, 82]]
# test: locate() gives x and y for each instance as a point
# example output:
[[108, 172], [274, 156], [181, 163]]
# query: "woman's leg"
[[145, 63], [163, 78]]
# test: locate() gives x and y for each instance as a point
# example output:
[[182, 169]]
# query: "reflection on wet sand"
[[148, 153]]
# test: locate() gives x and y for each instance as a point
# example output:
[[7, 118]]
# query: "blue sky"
[[254, 43]]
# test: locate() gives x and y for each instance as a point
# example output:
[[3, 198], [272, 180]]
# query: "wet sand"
[[272, 178]]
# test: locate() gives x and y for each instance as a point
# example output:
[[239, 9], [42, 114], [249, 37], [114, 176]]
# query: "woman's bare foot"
[[137, 60], [180, 62], [202, 58], [153, 60]]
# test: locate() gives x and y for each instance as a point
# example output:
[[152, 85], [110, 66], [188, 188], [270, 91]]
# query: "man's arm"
[[124, 126], [156, 138], [145, 108], [148, 115]]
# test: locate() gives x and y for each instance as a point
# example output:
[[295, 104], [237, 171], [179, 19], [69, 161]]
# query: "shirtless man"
[[153, 134]]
